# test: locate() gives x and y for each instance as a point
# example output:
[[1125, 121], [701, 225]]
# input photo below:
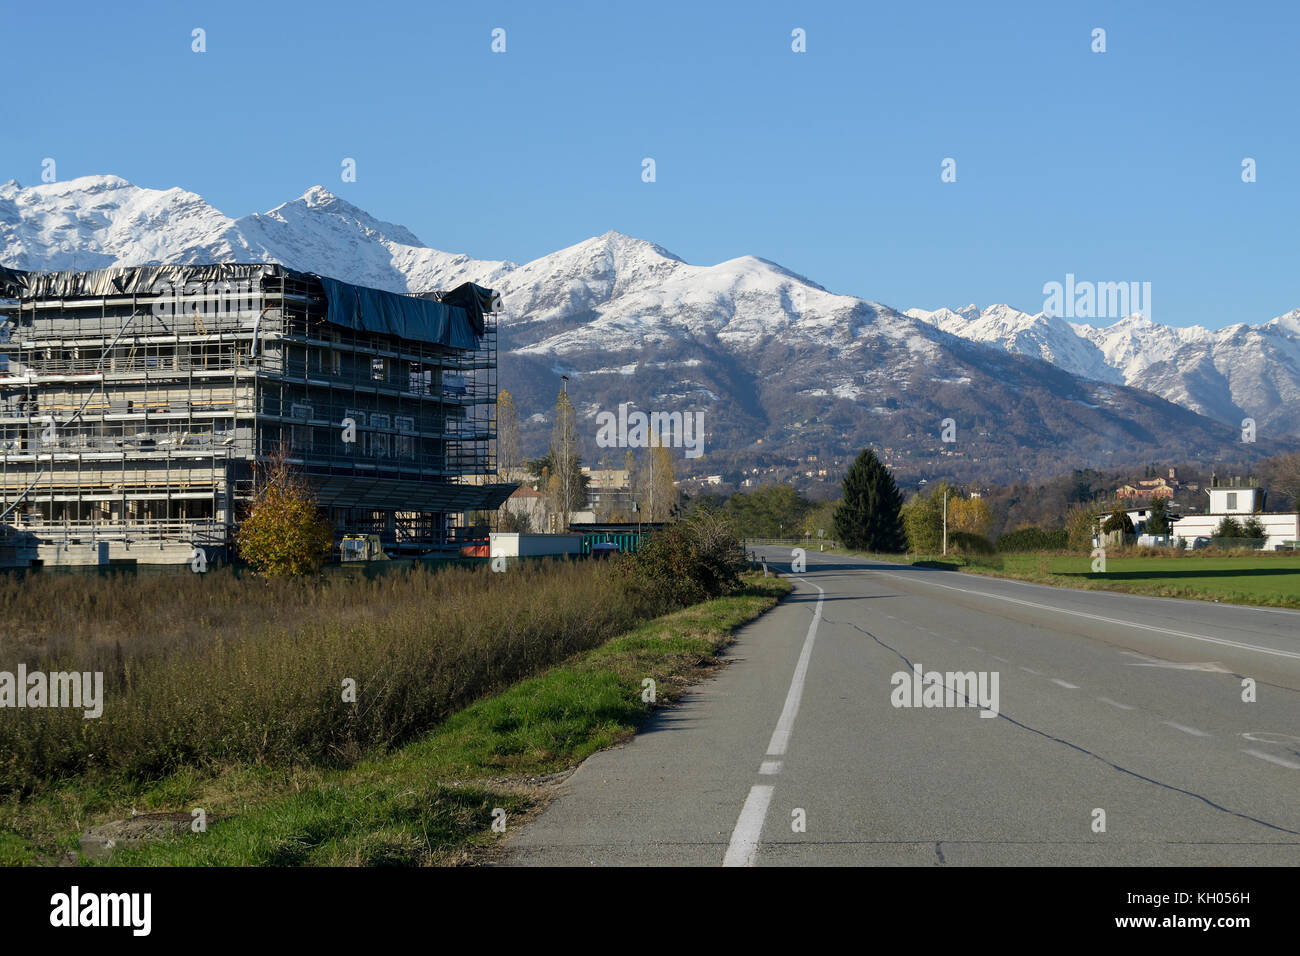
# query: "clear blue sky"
[[1122, 166]]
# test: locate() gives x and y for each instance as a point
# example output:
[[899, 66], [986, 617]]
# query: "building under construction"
[[135, 402]]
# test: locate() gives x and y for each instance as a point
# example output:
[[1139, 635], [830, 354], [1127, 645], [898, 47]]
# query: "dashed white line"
[[1066, 684], [743, 847], [770, 767], [1185, 729], [749, 828], [1271, 759], [1030, 670], [1293, 655], [1115, 703], [1002, 659]]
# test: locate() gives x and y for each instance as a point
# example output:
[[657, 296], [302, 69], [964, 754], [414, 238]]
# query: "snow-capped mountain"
[[783, 367], [99, 221], [1241, 371], [1049, 338]]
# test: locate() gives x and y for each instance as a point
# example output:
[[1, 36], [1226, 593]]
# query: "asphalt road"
[[796, 754]]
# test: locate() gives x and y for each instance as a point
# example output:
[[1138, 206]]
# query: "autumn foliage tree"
[[283, 534]]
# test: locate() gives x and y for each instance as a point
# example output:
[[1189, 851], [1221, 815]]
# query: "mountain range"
[[1230, 374], [791, 376]]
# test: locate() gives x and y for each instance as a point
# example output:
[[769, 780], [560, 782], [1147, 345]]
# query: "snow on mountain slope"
[[1227, 374], [322, 233], [1133, 343], [769, 353], [1231, 373], [1039, 336], [99, 221], [629, 293]]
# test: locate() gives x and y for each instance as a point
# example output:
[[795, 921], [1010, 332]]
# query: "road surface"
[[1121, 735]]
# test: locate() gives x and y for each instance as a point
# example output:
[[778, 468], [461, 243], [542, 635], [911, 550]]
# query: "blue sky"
[[1115, 166]]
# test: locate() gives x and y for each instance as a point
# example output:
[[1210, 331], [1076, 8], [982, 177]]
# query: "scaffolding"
[[134, 404]]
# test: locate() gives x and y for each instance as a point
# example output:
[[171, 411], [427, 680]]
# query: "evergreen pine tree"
[[868, 518], [1158, 522]]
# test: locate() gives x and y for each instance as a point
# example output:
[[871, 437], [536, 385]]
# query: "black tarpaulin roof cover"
[[453, 319]]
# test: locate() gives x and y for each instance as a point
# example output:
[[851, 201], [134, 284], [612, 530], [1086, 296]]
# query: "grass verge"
[[430, 802]]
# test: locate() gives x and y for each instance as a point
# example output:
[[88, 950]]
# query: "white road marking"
[[1271, 759], [1002, 659], [1137, 598], [974, 648], [1213, 667], [1270, 737], [1111, 620], [1187, 730], [1030, 670], [770, 767], [781, 736], [749, 828], [743, 847], [1066, 684], [1115, 703]]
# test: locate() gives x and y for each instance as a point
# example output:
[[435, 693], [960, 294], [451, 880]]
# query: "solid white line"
[[1115, 703], [1271, 759], [1065, 684], [1187, 730], [749, 828], [1109, 620], [781, 736], [770, 767]]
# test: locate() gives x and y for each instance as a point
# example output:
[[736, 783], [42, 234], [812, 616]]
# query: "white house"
[[1239, 500], [1236, 499]]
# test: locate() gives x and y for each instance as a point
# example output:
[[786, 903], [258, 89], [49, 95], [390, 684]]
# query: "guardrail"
[[801, 542]]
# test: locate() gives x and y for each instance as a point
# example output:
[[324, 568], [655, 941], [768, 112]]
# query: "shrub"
[[1253, 529], [688, 561], [1229, 529], [964, 542], [1118, 521], [1079, 526], [1034, 539]]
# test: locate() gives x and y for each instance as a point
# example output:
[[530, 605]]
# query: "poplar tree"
[[507, 422], [564, 458]]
